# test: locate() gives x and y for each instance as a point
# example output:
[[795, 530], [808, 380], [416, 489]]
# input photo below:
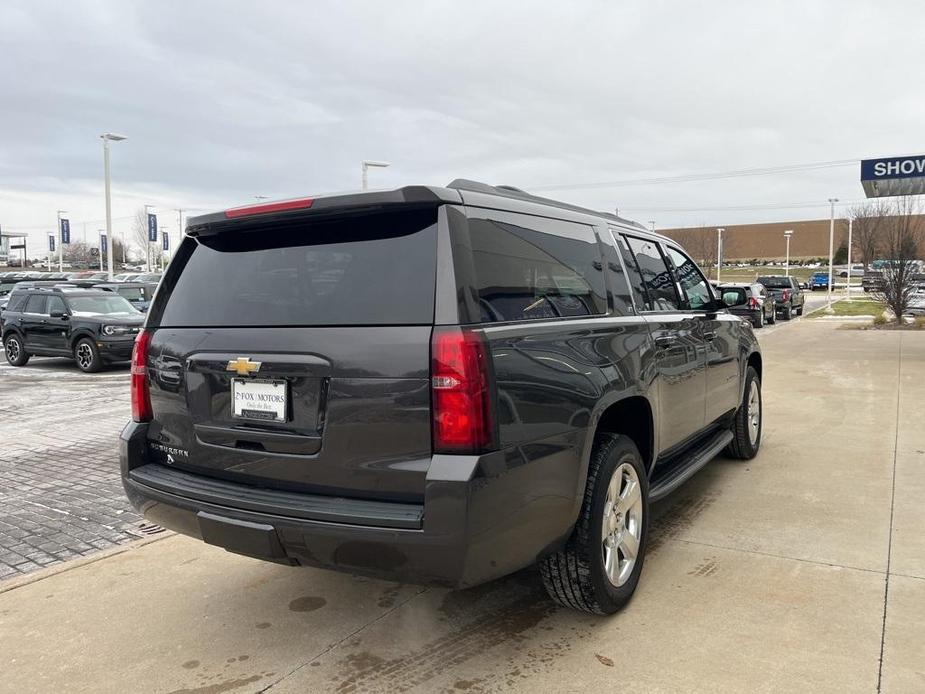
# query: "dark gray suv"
[[434, 385]]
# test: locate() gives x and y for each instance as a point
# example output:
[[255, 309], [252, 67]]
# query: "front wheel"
[[87, 356], [15, 352], [746, 427], [598, 569]]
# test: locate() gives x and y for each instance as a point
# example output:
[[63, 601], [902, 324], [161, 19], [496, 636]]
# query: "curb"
[[40, 575]]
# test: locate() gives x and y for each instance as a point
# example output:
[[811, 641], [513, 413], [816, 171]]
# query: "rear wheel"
[[758, 322], [772, 316], [15, 352], [598, 569], [746, 428], [87, 356], [800, 311], [787, 313]]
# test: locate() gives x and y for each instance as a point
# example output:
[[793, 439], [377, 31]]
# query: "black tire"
[[759, 321], [772, 318], [87, 356], [16, 354], [787, 313], [575, 576], [744, 446], [800, 310]]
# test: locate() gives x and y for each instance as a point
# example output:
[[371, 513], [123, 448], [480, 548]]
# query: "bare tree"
[[700, 243], [903, 238], [866, 228]]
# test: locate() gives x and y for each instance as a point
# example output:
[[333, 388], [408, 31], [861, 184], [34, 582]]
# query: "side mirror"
[[56, 313]]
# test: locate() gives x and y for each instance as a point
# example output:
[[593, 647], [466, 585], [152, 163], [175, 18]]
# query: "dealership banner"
[[152, 228], [51, 243], [166, 239], [102, 243], [65, 232]]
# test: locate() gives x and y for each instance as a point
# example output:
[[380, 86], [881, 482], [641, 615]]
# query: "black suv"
[[91, 326], [435, 385]]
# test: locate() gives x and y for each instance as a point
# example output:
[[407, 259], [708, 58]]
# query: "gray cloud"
[[225, 100]]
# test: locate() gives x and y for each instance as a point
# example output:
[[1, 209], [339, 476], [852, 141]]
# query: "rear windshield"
[[92, 305], [372, 270], [775, 282]]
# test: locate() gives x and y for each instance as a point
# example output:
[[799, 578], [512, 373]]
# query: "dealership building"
[[12, 246]]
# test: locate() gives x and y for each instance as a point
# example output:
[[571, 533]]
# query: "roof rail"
[[519, 194]]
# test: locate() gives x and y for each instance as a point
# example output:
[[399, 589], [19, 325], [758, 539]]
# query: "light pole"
[[107, 138], [719, 252], [367, 164], [832, 202], [60, 244], [848, 279], [787, 235]]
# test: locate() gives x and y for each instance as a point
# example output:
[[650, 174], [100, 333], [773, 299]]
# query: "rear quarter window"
[[527, 268], [370, 270]]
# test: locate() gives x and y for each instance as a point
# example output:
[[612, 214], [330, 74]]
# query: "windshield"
[[88, 305], [775, 282]]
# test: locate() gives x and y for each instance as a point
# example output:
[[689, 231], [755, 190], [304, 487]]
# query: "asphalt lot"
[[801, 570]]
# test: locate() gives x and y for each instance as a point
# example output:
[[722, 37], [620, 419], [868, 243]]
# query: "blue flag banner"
[[166, 240], [65, 232], [51, 243], [152, 228], [102, 243]]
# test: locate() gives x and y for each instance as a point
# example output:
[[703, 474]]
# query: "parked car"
[[91, 326], [437, 385], [154, 277], [749, 301], [788, 298], [917, 301], [819, 280], [138, 294]]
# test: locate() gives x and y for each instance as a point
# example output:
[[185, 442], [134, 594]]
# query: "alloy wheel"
[[84, 355], [12, 349], [754, 412], [621, 529]]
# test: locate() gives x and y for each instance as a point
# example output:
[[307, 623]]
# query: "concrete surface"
[[797, 571]]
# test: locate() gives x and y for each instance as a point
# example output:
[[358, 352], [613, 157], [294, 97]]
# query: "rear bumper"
[[476, 527]]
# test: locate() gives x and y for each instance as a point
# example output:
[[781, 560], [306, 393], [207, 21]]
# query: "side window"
[[56, 303], [35, 304], [656, 276], [632, 274], [17, 302], [692, 283], [527, 268]]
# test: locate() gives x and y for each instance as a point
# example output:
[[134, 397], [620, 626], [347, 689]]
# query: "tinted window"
[[692, 282], [522, 273], [733, 296], [16, 302], [373, 270], [104, 304], [56, 303], [132, 293], [35, 304], [632, 273], [777, 282], [656, 277]]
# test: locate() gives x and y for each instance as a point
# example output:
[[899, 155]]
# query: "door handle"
[[665, 341], [710, 335]]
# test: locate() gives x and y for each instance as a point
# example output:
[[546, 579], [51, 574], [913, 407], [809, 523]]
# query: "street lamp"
[[107, 138], [787, 235], [719, 252], [367, 164], [60, 244], [652, 225], [832, 202]]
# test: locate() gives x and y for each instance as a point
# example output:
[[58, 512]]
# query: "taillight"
[[141, 393], [786, 295], [752, 302], [463, 418]]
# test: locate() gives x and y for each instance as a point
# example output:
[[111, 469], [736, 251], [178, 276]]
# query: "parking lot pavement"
[[60, 494], [802, 570]]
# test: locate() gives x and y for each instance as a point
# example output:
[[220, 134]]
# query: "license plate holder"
[[259, 400]]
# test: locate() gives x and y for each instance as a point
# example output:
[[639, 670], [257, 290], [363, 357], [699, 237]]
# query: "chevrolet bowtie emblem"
[[243, 366]]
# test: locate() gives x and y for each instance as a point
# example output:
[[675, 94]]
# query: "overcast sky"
[[223, 101]]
